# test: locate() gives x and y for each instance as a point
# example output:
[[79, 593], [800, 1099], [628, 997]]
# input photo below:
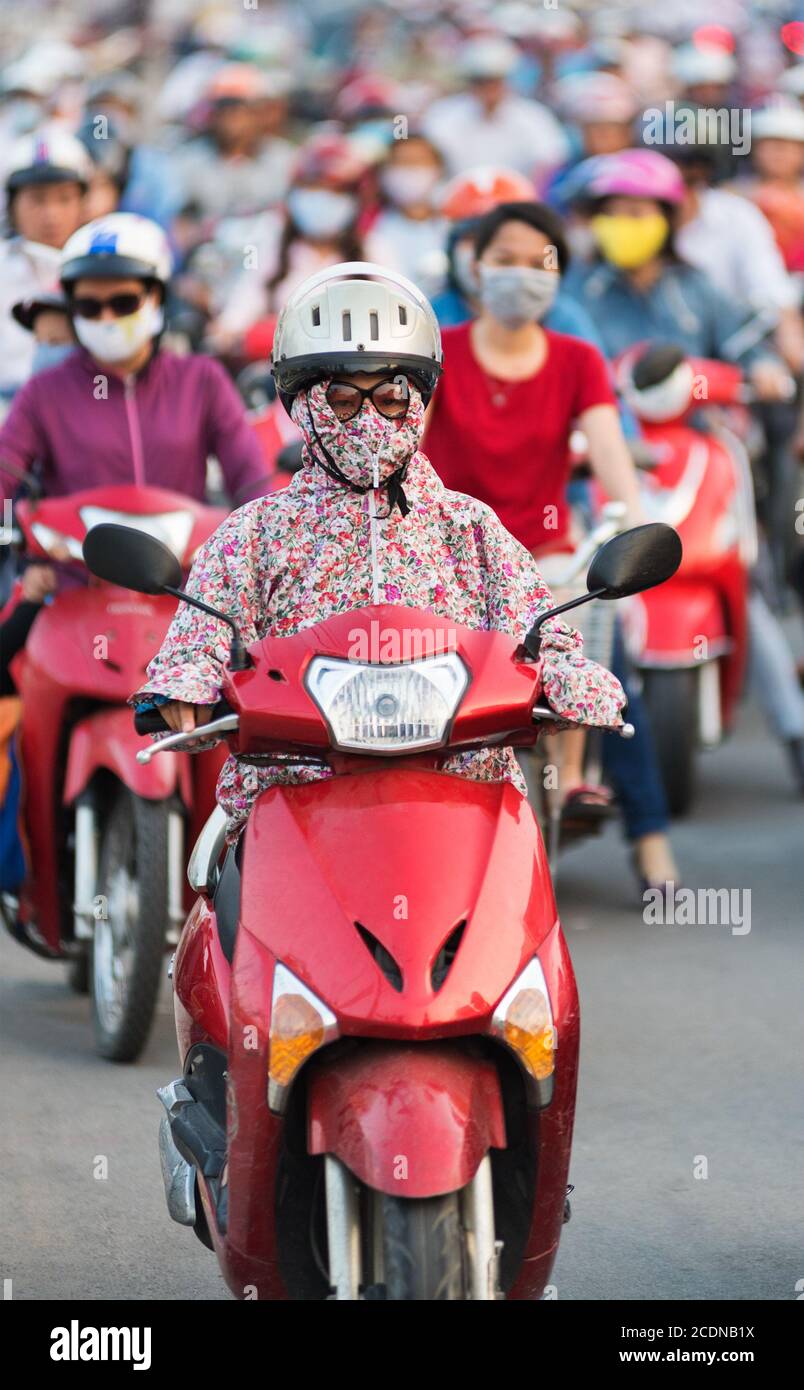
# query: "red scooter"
[[375, 1007], [105, 835], [689, 638]]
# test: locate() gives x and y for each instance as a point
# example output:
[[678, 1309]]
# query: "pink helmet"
[[634, 174]]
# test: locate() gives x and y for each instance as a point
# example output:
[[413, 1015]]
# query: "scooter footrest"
[[199, 1139]]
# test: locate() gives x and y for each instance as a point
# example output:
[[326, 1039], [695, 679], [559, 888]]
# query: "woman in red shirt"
[[500, 424], [512, 391]]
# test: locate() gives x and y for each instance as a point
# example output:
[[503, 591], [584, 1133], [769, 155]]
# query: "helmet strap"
[[393, 484]]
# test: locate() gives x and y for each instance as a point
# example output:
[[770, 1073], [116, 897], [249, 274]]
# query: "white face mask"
[[463, 268], [408, 186], [517, 294], [113, 340], [320, 213]]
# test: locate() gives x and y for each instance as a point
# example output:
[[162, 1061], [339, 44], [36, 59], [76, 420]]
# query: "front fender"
[[108, 739], [411, 1121]]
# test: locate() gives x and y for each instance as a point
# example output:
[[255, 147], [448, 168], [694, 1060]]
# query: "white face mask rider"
[[114, 340], [515, 294]]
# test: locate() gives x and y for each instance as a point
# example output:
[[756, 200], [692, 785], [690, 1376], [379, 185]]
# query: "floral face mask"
[[365, 452]]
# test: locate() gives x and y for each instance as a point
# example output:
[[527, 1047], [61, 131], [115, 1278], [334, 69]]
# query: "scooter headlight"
[[388, 708], [300, 1024], [172, 528], [523, 1020]]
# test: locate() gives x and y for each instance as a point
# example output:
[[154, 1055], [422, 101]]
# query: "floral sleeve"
[[226, 574], [579, 690]]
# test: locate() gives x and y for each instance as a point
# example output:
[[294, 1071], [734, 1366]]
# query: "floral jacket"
[[291, 559]]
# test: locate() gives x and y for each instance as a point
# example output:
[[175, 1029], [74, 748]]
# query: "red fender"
[[672, 621], [108, 739], [412, 1121]]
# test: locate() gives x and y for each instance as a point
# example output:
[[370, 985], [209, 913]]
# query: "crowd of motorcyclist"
[[524, 166]]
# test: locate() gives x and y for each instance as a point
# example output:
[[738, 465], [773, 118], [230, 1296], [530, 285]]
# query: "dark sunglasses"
[[390, 398], [121, 305]]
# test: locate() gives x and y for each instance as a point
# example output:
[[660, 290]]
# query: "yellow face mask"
[[628, 242]]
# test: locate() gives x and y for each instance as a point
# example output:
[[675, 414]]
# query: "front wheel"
[[672, 701], [423, 1248], [129, 944]]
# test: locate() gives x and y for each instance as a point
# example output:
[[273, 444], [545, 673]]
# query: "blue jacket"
[[681, 307]]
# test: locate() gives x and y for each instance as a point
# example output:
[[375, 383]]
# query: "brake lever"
[[215, 727]]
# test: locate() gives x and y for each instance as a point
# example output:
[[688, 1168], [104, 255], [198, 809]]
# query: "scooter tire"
[[135, 833], [672, 701], [423, 1248]]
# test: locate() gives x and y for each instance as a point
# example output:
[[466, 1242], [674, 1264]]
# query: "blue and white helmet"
[[117, 246], [47, 156]]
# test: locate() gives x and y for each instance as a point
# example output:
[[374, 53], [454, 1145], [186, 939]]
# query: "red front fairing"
[[408, 854], [86, 654]]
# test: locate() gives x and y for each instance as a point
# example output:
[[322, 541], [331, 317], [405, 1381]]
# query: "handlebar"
[[151, 721], [226, 724]]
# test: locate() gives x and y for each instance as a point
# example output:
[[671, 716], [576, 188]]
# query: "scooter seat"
[[226, 899]]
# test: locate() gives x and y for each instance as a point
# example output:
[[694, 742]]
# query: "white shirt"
[[520, 133], [26, 269], [733, 243], [411, 246]]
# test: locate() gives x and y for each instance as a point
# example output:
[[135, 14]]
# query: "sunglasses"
[[390, 398], [121, 305]]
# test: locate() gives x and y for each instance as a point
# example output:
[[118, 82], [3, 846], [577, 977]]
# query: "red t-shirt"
[[507, 442]]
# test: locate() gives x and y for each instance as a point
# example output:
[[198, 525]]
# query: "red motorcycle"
[[375, 1007], [689, 638], [105, 834]]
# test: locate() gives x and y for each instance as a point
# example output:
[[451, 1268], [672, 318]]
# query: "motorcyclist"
[[500, 428], [465, 200], [45, 186], [119, 408], [637, 286], [318, 228], [357, 354]]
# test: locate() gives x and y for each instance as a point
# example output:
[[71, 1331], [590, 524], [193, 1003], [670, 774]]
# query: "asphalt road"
[[691, 1062]]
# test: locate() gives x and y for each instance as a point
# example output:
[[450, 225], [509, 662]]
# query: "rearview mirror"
[[122, 555], [635, 560]]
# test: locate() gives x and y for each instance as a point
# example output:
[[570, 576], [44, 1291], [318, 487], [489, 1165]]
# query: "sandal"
[[586, 807]]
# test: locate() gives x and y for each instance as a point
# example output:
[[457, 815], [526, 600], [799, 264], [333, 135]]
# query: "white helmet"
[[355, 317], [779, 121], [47, 156], [121, 244]]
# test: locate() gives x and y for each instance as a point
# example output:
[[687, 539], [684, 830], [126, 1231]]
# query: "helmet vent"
[[382, 958], [403, 314], [374, 326], [316, 316], [347, 326]]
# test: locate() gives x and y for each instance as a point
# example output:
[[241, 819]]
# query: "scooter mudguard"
[[411, 1121], [107, 739], [679, 624]]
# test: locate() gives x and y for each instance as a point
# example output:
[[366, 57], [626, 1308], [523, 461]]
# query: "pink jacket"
[[81, 428]]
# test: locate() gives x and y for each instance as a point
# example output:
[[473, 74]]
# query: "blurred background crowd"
[[270, 139]]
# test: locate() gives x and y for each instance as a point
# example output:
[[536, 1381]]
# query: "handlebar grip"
[[150, 721]]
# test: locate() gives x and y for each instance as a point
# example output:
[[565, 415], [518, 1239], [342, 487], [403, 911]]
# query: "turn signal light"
[[300, 1024], [523, 1020]]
